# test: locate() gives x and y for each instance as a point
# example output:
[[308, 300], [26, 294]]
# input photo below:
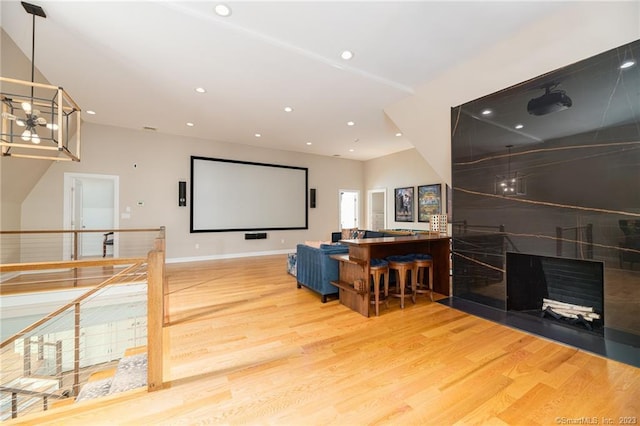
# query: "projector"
[[551, 101]]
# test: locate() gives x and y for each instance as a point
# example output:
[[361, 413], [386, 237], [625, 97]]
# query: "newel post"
[[155, 319]]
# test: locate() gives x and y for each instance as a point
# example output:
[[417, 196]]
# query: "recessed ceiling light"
[[351, 150], [258, 135], [486, 112], [288, 109], [222, 10], [201, 90], [90, 112], [350, 123], [346, 55], [190, 124], [519, 126], [309, 143], [398, 134], [627, 64]]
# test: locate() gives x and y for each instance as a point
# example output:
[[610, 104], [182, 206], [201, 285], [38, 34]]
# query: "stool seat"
[[402, 264], [377, 269]]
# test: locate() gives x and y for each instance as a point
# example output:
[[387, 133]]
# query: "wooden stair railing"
[[157, 315]]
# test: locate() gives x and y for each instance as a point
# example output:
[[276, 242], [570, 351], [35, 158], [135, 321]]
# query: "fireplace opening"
[[563, 290]]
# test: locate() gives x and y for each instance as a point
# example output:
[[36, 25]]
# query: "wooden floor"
[[245, 346]]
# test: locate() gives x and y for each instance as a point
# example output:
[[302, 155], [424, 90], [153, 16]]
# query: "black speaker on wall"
[[312, 198], [182, 193]]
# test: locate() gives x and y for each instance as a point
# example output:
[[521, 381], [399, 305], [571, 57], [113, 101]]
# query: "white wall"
[[577, 31], [163, 160]]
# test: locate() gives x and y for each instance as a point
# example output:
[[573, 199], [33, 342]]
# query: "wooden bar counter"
[[355, 265]]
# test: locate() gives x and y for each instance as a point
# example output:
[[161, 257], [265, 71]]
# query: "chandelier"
[[38, 120], [511, 183]]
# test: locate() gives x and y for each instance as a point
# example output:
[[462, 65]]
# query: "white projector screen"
[[229, 195]]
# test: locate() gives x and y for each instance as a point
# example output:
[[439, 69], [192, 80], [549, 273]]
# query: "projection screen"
[[230, 195]]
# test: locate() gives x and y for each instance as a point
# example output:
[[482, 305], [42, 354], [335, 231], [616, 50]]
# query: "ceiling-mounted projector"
[[551, 101]]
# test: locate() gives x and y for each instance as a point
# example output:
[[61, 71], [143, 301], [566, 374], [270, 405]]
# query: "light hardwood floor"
[[245, 346]]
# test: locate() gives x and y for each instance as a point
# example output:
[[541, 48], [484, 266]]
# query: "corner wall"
[[402, 169]]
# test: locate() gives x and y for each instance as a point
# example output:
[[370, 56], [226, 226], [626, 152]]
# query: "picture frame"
[[403, 202], [429, 201], [449, 203]]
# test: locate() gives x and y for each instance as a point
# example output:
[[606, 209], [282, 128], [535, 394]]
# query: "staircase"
[[22, 394], [131, 373]]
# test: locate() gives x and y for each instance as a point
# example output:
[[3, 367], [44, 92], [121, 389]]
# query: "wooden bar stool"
[[403, 264], [378, 268], [424, 261]]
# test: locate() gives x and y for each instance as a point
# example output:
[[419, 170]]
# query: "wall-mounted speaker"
[[312, 198], [182, 193]]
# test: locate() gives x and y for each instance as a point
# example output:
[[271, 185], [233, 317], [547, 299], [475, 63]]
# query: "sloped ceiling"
[[137, 64]]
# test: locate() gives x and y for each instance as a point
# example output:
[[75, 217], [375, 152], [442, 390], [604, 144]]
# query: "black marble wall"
[[579, 180]]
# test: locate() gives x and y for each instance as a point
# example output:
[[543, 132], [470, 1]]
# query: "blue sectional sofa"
[[316, 270]]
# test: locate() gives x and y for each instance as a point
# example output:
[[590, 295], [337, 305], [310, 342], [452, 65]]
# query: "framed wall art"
[[449, 204], [429, 201], [404, 204]]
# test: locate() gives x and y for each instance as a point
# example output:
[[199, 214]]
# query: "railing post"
[[155, 319], [59, 361], [26, 350], [14, 405], [76, 350], [159, 245], [75, 257], [40, 348]]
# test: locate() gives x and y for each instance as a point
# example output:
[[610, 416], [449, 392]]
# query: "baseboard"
[[227, 256]]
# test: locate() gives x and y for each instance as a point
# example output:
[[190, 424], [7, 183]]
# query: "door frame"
[[370, 193], [68, 212], [358, 206]]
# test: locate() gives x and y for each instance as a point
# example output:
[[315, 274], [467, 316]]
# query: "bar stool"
[[403, 264], [378, 268], [424, 261]]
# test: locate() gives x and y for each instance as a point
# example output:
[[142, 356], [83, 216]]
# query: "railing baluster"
[[40, 347], [26, 349], [14, 405], [76, 350], [59, 361]]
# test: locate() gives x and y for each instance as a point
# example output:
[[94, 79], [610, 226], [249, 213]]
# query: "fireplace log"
[[569, 310], [565, 305]]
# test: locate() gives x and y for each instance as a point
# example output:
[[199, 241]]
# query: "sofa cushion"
[[373, 234]]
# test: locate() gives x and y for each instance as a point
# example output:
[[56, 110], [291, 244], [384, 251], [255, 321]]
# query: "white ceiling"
[[137, 64]]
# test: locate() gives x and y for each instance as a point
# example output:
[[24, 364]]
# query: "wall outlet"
[[282, 241], [197, 245]]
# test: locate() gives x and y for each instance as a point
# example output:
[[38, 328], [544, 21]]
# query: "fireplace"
[[571, 282]]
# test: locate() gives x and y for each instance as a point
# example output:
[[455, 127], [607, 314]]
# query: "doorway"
[[349, 209], [90, 202], [377, 209]]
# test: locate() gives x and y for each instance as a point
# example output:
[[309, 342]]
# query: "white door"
[[377, 209], [91, 202], [349, 208]]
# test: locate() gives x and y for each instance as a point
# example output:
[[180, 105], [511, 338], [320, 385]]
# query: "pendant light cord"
[[33, 54]]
